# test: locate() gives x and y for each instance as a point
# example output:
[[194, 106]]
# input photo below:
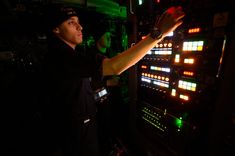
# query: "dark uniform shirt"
[[69, 98]]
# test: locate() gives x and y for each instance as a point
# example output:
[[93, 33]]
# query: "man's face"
[[70, 31]]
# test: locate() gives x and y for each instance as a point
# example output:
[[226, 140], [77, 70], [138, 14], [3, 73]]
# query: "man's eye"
[[70, 22]]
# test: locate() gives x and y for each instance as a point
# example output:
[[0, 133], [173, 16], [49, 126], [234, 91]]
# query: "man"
[[70, 106]]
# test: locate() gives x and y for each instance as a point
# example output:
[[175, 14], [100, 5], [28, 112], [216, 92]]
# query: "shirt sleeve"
[[98, 68]]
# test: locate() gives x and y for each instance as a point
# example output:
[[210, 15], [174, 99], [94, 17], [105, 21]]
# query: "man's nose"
[[79, 27]]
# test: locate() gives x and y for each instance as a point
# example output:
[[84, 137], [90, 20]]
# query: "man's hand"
[[170, 20]]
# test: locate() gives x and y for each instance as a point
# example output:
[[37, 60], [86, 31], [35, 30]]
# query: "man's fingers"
[[180, 16], [176, 12]]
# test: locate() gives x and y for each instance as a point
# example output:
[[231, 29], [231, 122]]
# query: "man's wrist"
[[156, 33]]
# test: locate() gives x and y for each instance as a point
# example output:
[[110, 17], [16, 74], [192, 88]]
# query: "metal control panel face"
[[178, 82]]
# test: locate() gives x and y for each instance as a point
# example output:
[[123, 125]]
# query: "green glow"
[[108, 7], [179, 122]]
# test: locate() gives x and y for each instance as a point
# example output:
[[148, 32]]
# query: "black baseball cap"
[[55, 14]]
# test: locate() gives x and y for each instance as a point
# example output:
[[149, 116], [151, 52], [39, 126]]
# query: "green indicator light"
[[179, 122], [140, 2]]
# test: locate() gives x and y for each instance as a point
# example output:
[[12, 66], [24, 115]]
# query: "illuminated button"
[[173, 92], [169, 44], [193, 46]]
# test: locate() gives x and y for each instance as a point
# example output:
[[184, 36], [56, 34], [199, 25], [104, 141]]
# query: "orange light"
[[194, 30], [188, 73], [144, 67]]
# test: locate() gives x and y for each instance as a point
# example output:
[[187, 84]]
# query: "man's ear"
[[56, 30]]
